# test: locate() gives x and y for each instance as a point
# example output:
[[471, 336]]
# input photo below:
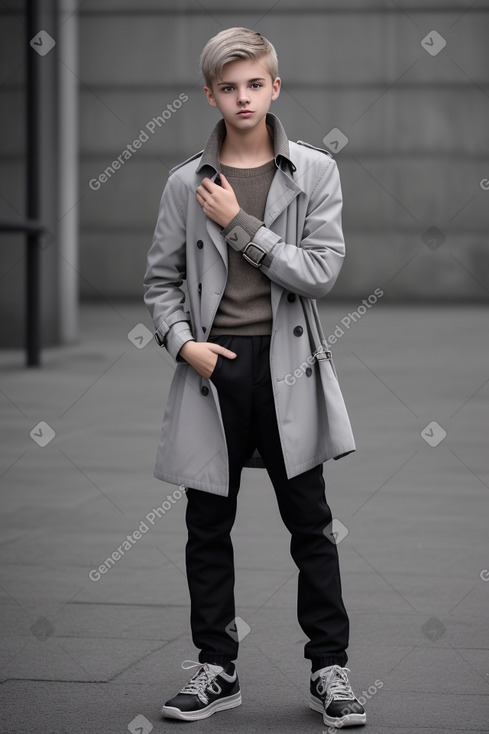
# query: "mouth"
[[245, 113]]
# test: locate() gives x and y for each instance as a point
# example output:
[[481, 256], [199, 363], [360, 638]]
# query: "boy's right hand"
[[202, 356]]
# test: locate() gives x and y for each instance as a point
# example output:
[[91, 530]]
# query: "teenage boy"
[[248, 236]]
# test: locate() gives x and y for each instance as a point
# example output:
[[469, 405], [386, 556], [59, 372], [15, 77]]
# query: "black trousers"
[[248, 410]]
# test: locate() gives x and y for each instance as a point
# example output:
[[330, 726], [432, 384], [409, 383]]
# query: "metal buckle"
[[322, 353], [249, 259]]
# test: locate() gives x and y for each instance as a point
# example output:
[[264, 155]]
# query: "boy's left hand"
[[219, 203]]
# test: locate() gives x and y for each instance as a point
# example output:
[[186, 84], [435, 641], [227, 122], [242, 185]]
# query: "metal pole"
[[67, 40], [33, 293]]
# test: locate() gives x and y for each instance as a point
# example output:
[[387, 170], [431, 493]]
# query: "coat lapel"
[[214, 231], [282, 191]]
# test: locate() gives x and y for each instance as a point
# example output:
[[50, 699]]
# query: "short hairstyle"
[[233, 44]]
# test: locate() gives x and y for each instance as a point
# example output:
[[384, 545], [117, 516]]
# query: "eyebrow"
[[227, 84]]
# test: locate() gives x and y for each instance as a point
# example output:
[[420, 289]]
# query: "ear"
[[276, 86], [210, 97]]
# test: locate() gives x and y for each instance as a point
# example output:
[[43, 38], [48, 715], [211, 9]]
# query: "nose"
[[243, 96]]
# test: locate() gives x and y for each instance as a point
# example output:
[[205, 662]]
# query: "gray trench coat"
[[185, 278]]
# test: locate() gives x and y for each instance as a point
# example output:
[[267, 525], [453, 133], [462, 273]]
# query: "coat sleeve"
[[165, 274], [311, 266]]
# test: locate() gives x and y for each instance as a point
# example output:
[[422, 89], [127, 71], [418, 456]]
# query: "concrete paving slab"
[[379, 628], [444, 671], [107, 621], [70, 659], [460, 713]]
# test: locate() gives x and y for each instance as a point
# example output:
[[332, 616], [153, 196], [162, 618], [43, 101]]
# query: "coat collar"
[[210, 155]]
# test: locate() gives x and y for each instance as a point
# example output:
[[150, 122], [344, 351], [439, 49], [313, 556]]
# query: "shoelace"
[[200, 681], [337, 685]]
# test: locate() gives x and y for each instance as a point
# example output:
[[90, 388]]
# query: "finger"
[[227, 353], [207, 184], [225, 183], [217, 349]]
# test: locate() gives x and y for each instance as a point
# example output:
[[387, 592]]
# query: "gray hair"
[[233, 44]]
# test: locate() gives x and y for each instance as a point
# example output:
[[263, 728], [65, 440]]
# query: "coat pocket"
[[223, 341]]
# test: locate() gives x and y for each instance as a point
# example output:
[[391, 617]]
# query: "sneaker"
[[211, 689], [332, 696]]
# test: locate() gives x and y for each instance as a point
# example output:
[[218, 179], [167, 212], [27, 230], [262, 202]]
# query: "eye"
[[227, 89], [256, 85]]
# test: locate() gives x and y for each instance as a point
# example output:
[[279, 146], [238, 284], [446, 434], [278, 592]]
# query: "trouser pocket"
[[223, 341]]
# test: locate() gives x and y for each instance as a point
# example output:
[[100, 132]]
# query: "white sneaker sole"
[[228, 703], [348, 720]]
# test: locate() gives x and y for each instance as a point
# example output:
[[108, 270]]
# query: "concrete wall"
[[417, 126]]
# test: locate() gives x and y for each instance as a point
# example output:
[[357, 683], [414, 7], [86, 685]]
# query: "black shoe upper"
[[337, 702], [204, 688]]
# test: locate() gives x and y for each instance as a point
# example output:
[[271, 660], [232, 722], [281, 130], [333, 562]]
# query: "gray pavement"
[[99, 654]]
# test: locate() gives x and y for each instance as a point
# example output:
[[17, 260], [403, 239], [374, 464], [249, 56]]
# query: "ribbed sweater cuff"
[[248, 222]]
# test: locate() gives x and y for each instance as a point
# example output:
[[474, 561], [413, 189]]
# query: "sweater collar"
[[210, 155]]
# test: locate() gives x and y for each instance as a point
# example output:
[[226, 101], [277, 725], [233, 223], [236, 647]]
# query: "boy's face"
[[244, 93]]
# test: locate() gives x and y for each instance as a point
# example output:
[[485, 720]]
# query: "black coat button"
[[199, 288], [291, 297], [204, 329], [298, 331], [200, 244], [204, 390], [308, 371]]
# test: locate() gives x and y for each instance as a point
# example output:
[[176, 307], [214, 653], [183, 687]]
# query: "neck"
[[247, 147]]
